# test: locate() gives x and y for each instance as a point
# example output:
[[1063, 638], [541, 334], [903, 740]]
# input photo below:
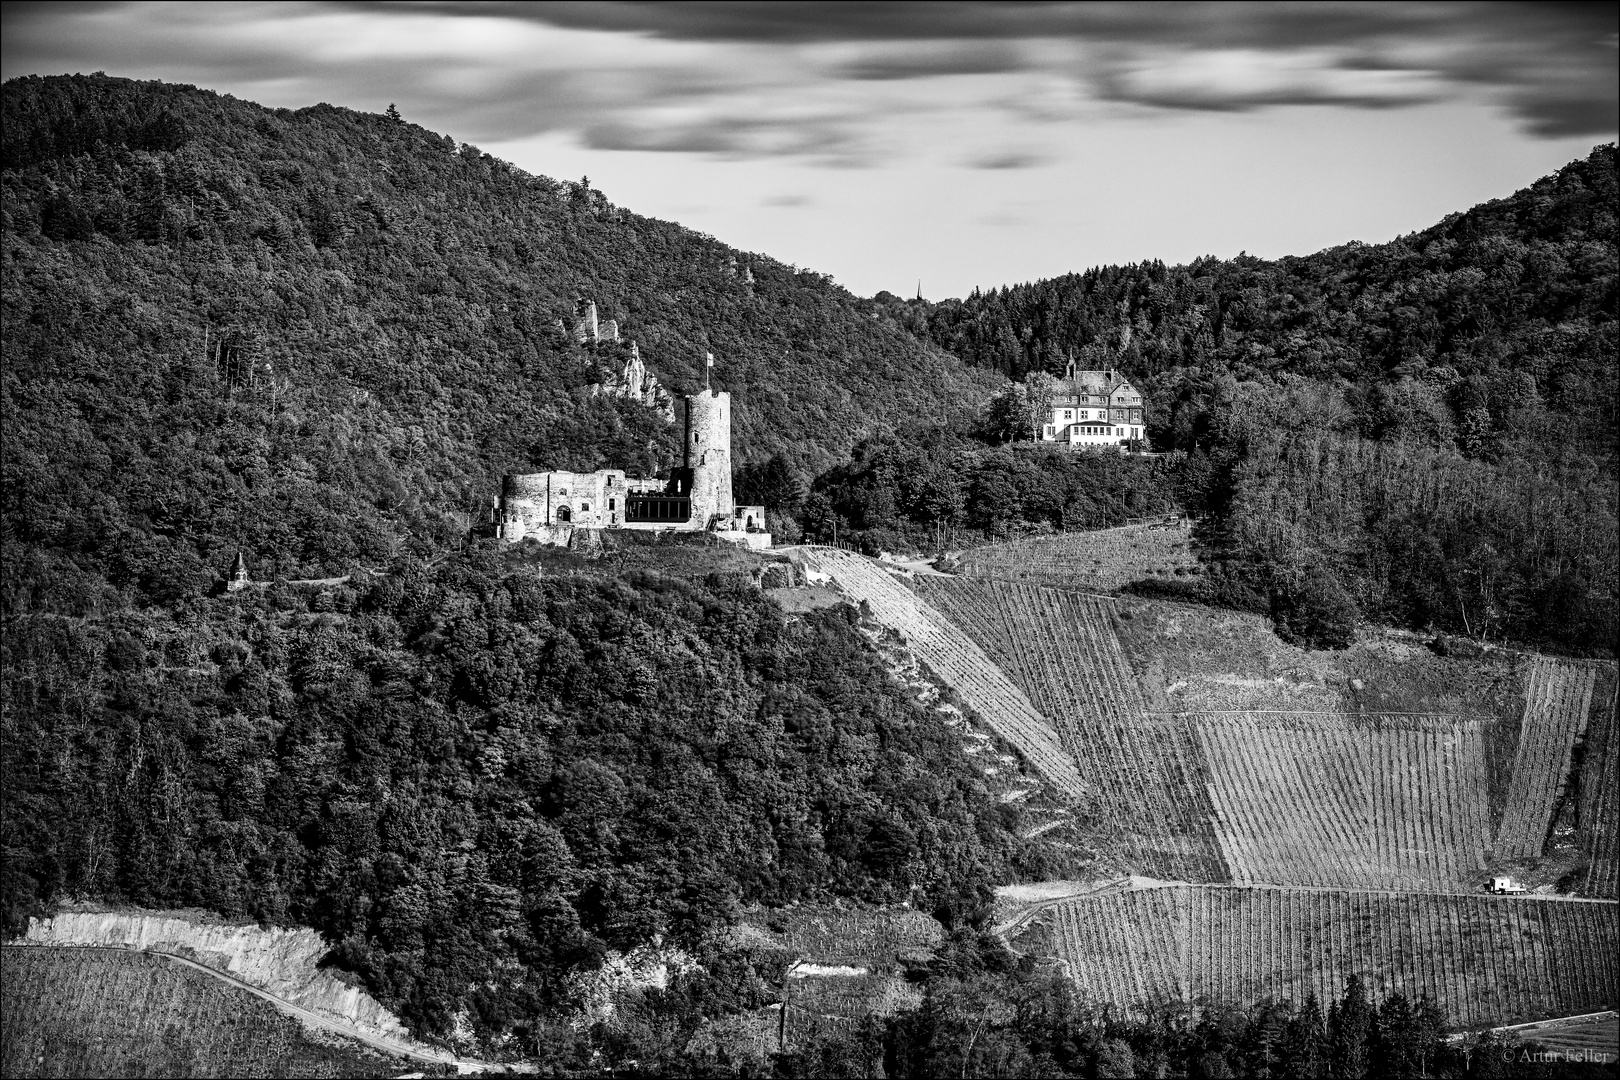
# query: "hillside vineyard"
[[1325, 843], [1486, 960]]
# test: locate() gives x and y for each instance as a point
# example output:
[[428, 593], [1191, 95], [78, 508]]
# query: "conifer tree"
[[1351, 1031], [1304, 1050]]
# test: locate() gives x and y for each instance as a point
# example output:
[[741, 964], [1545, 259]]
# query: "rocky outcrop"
[[637, 383]]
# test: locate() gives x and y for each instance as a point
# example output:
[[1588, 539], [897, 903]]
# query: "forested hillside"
[[321, 335], [1428, 426], [478, 778]]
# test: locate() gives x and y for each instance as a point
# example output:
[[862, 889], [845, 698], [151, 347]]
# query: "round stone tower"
[[708, 454]]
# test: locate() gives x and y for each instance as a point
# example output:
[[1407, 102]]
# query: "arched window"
[[563, 514]]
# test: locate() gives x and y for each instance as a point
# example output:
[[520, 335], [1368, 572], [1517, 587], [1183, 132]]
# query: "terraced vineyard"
[[1484, 960], [1336, 800], [1557, 700], [1598, 813], [955, 658], [1348, 800], [1061, 650], [101, 1012], [1101, 560]]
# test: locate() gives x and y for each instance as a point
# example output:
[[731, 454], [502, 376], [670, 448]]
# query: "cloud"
[[834, 82], [793, 201], [1553, 65], [925, 59], [1012, 159]]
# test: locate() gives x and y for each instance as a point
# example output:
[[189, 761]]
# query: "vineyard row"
[[1348, 801], [1062, 650], [1483, 960], [1556, 701], [963, 666]]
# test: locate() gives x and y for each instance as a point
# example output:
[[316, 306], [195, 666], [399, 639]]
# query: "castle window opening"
[[613, 504], [563, 514], [584, 508]]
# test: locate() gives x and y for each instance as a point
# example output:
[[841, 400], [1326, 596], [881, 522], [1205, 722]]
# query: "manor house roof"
[[1100, 383]]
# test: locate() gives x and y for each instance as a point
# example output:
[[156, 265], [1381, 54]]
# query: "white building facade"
[[1095, 408]]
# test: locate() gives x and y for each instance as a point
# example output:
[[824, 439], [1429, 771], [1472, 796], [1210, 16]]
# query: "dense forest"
[[1431, 424], [321, 336], [479, 777]]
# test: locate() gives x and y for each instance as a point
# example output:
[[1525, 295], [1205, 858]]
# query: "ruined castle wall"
[[708, 454], [534, 501]]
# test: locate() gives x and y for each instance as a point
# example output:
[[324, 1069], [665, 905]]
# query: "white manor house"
[[1094, 408]]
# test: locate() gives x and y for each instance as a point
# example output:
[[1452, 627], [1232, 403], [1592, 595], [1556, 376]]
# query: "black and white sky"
[[961, 144]]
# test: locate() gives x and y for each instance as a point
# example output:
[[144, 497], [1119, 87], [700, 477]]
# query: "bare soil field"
[[1484, 960], [1099, 561], [1192, 658], [104, 1012]]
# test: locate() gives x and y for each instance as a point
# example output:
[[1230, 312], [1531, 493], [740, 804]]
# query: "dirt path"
[[464, 1066]]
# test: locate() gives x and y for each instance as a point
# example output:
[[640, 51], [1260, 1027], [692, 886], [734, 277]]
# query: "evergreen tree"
[[1351, 1032], [1305, 1043]]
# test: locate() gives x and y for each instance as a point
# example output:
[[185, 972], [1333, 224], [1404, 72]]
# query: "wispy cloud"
[[823, 80], [1011, 159]]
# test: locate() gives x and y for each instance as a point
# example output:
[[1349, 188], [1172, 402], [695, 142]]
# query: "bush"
[[1314, 611]]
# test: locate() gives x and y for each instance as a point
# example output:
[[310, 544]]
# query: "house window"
[[1048, 429]]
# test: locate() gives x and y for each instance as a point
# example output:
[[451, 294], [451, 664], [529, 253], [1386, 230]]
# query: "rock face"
[[639, 384], [282, 962]]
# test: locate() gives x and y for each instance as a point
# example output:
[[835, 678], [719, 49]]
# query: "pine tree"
[[1305, 1043], [1351, 1030]]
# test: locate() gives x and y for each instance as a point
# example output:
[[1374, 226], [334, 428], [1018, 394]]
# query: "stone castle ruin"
[[549, 506]]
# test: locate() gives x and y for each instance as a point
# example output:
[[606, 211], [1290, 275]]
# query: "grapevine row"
[[1483, 960], [1061, 649], [1556, 701], [1358, 802], [959, 662], [1598, 815]]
